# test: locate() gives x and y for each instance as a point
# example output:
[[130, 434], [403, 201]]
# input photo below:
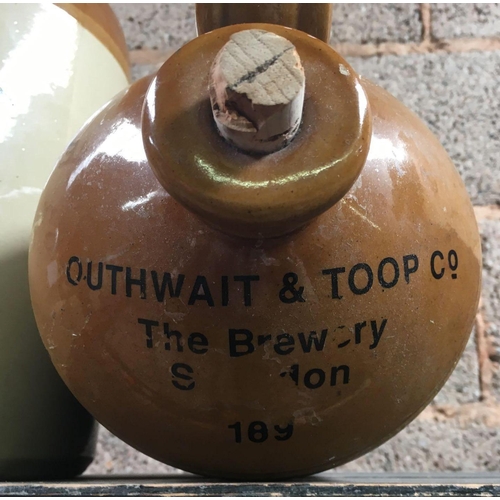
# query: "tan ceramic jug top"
[[310, 341], [100, 20]]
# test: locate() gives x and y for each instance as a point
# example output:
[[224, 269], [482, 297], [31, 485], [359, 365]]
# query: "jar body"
[[255, 359], [46, 97]]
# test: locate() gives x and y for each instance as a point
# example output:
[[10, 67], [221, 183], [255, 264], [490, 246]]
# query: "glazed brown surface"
[[388, 279], [313, 18], [101, 21], [242, 194]]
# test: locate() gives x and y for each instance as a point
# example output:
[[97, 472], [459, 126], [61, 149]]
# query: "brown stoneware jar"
[[246, 316]]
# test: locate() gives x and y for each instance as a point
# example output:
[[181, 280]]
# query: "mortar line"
[[487, 411], [487, 212], [426, 18], [482, 349], [457, 45]]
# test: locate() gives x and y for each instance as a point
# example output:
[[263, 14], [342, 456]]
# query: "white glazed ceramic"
[[54, 74]]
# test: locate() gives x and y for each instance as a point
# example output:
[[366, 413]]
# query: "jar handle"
[[312, 18]]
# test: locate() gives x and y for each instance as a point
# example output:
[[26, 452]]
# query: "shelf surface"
[[325, 484]]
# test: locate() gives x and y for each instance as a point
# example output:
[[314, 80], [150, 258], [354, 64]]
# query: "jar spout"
[[259, 169]]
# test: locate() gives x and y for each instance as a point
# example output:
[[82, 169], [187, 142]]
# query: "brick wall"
[[442, 61]]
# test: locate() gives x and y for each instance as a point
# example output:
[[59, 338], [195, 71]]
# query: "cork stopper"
[[257, 86]]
